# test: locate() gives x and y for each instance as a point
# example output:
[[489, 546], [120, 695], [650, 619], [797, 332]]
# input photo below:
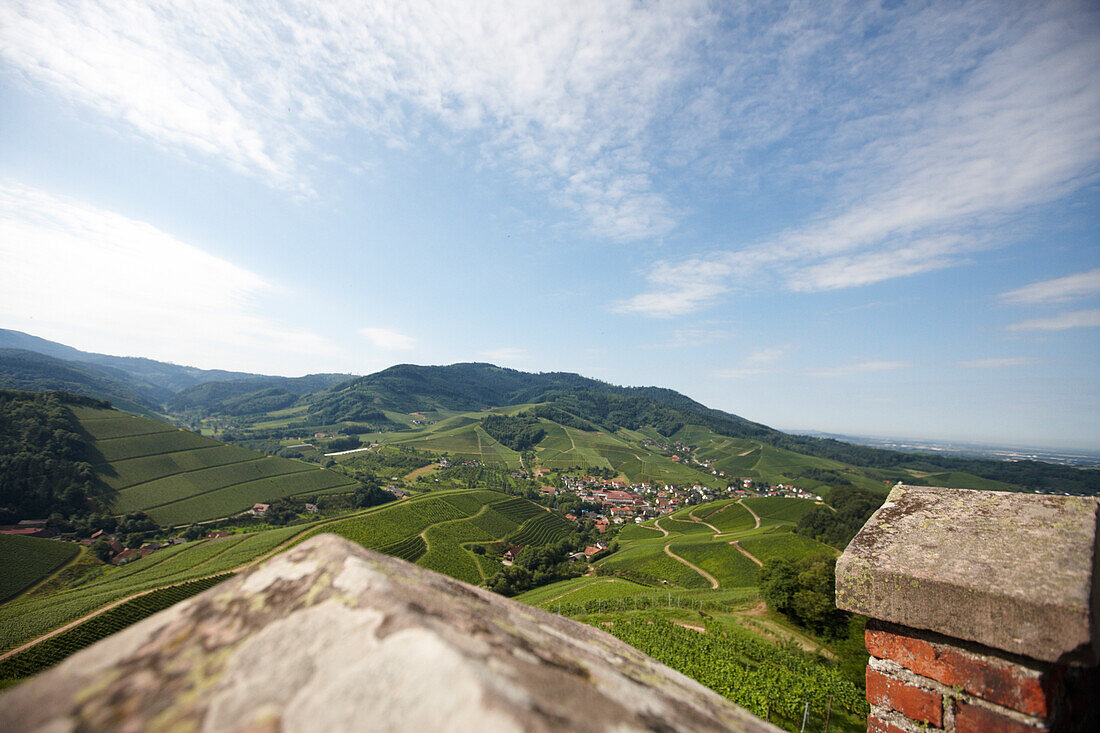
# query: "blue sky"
[[876, 218]]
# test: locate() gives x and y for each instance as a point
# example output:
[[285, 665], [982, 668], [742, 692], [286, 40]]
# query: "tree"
[[804, 591], [102, 550]]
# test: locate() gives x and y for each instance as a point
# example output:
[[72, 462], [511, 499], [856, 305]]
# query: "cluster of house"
[[621, 502], [786, 491]]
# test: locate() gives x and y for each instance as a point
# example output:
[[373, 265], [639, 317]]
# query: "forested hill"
[[35, 372], [473, 386], [170, 377]]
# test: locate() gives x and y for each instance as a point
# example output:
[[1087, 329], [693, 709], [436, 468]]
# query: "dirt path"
[[746, 553], [657, 524], [754, 514], [114, 604], [696, 568], [691, 515]]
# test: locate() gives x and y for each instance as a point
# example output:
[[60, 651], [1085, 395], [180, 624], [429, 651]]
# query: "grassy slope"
[[27, 560], [32, 615], [178, 477], [448, 522]]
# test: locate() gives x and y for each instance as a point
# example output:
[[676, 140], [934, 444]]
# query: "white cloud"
[[1059, 290], [762, 361], [563, 92], [384, 338], [1060, 322], [679, 288], [865, 367], [689, 337], [100, 281], [505, 354], [1005, 121], [768, 355], [997, 362]]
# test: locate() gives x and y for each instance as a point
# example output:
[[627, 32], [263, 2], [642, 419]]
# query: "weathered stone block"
[[912, 702], [1015, 572], [329, 636]]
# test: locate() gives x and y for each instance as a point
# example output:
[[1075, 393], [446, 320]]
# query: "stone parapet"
[[983, 609], [329, 636]]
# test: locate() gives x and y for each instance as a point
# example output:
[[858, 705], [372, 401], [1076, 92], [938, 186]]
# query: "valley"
[[705, 540]]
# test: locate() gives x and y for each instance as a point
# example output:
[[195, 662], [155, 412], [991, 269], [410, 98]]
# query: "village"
[[621, 503]]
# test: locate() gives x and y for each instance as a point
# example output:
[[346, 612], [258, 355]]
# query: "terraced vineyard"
[[53, 650], [179, 477], [543, 529], [765, 679], [29, 616], [27, 560], [777, 510], [436, 530]]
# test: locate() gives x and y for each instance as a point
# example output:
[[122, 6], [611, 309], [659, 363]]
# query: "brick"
[[912, 702], [996, 680], [970, 718], [878, 725]]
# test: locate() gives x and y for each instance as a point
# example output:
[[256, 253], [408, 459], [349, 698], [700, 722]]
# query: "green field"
[[178, 477], [27, 560], [774, 510], [730, 518], [436, 530], [579, 590], [53, 650], [647, 561], [31, 615], [728, 566], [784, 545]]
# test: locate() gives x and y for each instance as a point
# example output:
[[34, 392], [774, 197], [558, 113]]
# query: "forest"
[[44, 461]]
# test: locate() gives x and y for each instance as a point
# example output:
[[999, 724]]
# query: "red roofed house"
[[259, 509]]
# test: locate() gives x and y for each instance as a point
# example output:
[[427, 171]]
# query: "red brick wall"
[[919, 682]]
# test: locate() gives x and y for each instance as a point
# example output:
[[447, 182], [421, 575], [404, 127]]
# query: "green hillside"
[[439, 531], [27, 560], [180, 477]]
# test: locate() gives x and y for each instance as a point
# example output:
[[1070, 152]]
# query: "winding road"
[[696, 568]]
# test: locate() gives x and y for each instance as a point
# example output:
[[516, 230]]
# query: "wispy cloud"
[[384, 338], [763, 361], [678, 288], [1060, 322], [102, 281], [1005, 121], [997, 362], [1059, 290], [864, 367], [505, 355], [689, 338], [565, 93]]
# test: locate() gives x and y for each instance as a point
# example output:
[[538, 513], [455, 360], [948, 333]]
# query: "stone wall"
[[983, 610], [329, 636]]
